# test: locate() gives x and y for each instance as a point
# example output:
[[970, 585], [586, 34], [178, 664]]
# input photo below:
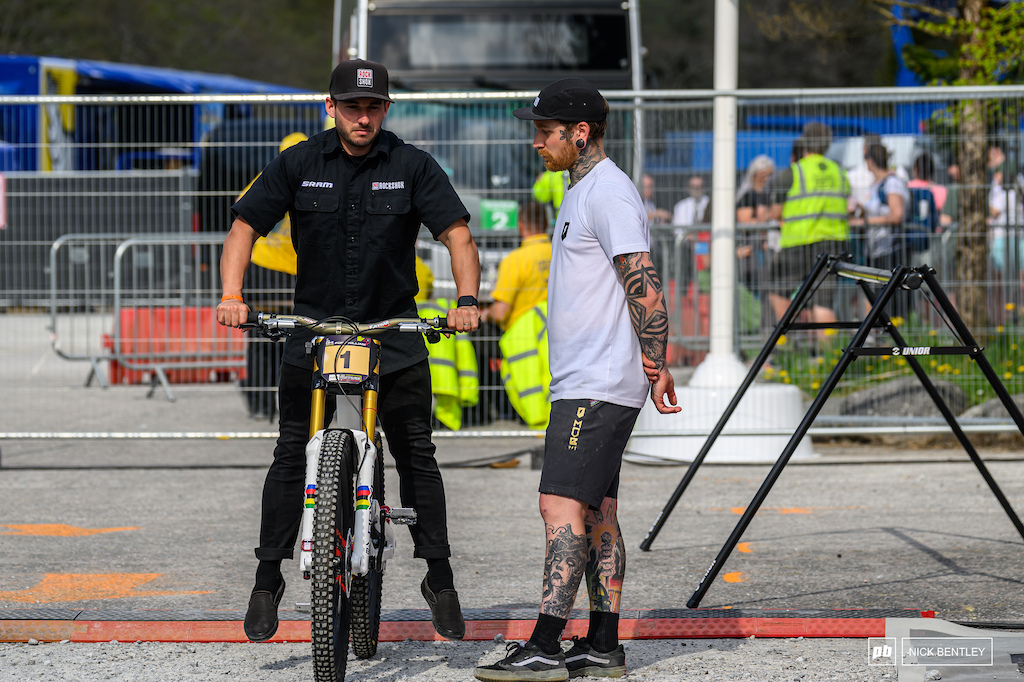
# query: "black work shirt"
[[354, 226]]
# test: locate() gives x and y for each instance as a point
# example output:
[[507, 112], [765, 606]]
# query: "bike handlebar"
[[336, 327]]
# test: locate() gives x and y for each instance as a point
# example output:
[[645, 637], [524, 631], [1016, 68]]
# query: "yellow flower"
[[896, 321], [1010, 306], [933, 332], [956, 372], [999, 329], [786, 380], [783, 373], [782, 340], [830, 332], [815, 386], [1020, 369], [870, 368], [933, 363], [1013, 346], [1007, 375]]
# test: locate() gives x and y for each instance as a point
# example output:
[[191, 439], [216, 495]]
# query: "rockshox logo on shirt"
[[314, 183], [398, 184], [577, 426]]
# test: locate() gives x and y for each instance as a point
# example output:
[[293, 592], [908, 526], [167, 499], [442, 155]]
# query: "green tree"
[[984, 45]]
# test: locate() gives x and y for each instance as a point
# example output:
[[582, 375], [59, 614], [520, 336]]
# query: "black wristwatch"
[[468, 300]]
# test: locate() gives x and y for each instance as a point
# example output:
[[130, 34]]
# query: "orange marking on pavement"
[[744, 547], [58, 587], [736, 577], [56, 530]]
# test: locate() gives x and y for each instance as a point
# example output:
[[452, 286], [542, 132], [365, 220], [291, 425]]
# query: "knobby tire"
[[365, 595], [332, 526]]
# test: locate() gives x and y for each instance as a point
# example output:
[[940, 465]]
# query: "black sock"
[[547, 632], [268, 576], [439, 575], [603, 634]]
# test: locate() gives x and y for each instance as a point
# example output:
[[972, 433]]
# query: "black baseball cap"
[[356, 78], [570, 99]]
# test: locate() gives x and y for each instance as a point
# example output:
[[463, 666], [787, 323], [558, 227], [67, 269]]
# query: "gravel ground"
[[764, 660]]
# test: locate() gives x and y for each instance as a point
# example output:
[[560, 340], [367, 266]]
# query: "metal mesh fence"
[[114, 210]]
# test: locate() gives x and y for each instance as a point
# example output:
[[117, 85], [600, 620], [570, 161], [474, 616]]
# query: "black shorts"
[[791, 265], [583, 449]]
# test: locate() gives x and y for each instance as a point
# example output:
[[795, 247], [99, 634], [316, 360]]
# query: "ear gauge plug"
[[580, 144]]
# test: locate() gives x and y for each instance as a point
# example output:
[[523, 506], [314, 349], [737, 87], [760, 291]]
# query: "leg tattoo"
[[606, 557], [564, 566]]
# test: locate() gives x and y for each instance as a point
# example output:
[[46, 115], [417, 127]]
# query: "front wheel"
[[365, 595], [332, 530]]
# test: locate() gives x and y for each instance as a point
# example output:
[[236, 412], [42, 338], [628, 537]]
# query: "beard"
[[357, 142], [560, 160]]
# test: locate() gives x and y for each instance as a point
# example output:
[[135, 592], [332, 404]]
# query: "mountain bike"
[[346, 532]]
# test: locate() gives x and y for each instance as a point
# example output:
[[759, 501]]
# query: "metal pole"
[[722, 367], [636, 59]]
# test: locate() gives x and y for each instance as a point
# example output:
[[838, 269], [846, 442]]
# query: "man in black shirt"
[[357, 196]]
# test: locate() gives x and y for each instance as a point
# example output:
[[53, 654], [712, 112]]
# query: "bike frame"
[[337, 344]]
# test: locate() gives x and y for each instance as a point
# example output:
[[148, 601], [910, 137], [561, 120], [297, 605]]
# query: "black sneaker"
[[524, 662], [582, 661]]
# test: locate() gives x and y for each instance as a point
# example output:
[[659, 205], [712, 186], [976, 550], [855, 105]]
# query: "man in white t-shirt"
[[607, 337], [691, 209]]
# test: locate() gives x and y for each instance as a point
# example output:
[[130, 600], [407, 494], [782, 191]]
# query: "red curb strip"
[[478, 630]]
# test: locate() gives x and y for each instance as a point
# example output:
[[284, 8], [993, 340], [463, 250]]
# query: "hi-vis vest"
[[524, 366], [453, 369], [815, 208]]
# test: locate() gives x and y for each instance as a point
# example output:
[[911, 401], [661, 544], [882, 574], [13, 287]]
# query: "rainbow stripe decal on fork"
[[363, 497], [311, 495]]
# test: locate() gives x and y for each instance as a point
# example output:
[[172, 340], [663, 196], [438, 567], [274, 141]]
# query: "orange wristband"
[[224, 298]]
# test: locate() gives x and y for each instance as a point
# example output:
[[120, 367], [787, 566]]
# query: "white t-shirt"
[[593, 347], [690, 211]]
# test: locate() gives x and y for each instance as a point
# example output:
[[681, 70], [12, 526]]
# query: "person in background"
[[753, 205], [523, 274], [809, 199], [690, 210], [885, 211], [655, 215], [922, 177], [521, 287], [358, 196]]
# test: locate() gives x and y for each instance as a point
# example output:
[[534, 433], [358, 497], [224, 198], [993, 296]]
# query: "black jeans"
[[404, 413]]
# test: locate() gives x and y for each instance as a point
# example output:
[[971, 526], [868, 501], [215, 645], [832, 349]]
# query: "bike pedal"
[[402, 516]]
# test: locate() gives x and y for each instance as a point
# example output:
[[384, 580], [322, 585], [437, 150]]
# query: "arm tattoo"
[[646, 303], [564, 567]]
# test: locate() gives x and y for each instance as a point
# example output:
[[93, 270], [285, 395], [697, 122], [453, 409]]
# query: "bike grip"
[[253, 318]]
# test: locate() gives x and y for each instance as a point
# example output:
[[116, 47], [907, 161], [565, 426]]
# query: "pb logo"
[[882, 651]]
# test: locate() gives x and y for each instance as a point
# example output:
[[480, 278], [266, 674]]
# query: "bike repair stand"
[[901, 277]]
